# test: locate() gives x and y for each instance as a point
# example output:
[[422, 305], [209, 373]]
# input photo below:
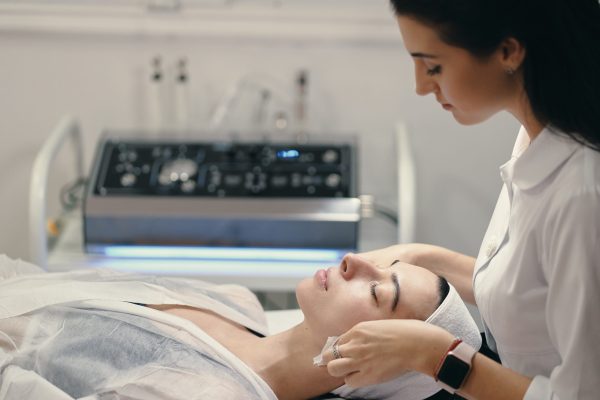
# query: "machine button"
[[233, 180], [268, 156], [215, 178], [333, 180], [128, 180], [178, 170], [330, 156], [279, 180], [188, 186], [306, 157], [164, 180], [296, 180], [256, 181]]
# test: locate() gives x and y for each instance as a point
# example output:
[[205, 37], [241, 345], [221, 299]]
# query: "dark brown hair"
[[561, 69]]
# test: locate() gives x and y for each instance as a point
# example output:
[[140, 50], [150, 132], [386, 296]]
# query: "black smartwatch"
[[455, 366]]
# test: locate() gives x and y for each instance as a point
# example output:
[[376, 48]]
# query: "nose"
[[353, 265], [425, 84]]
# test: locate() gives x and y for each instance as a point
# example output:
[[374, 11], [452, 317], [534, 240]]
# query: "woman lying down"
[[100, 334]]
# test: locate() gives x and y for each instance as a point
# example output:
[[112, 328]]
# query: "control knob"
[[330, 156], [181, 169], [128, 179], [333, 180]]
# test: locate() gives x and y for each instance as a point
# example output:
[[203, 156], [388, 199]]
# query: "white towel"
[[453, 316]]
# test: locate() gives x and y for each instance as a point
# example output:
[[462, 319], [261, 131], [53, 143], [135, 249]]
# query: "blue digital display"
[[288, 153]]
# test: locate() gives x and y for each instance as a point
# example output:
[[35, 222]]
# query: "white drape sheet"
[[78, 335]]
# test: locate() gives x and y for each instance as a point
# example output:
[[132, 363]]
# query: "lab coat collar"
[[540, 158]]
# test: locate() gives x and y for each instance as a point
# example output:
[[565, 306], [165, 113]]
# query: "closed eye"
[[373, 285], [434, 71]]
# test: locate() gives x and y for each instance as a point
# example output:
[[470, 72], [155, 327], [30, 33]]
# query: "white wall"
[[361, 81]]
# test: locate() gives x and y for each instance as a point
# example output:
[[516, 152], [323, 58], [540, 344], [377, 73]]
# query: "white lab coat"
[[537, 276]]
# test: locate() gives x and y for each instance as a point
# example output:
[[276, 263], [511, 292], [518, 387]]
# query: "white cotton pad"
[[318, 360]]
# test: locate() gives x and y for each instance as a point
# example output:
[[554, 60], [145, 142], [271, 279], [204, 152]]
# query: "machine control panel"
[[223, 169]]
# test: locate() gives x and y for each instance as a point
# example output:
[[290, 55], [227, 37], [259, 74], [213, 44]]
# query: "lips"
[[447, 106], [321, 277]]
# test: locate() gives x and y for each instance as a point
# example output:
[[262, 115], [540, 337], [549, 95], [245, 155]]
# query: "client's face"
[[338, 298]]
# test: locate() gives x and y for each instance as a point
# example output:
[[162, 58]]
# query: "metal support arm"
[[67, 128]]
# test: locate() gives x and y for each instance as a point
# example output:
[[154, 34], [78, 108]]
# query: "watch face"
[[453, 372]]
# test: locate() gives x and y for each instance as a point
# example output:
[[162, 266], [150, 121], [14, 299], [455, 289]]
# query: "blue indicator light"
[[288, 154], [225, 253]]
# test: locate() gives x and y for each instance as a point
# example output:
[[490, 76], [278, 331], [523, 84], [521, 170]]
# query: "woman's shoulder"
[[579, 177], [571, 169]]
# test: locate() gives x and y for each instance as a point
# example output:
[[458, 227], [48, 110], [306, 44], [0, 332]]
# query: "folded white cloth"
[[453, 316]]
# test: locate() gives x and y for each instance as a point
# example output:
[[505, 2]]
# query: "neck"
[[523, 112], [285, 362]]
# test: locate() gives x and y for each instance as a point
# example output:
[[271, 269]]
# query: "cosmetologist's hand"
[[377, 351], [407, 253]]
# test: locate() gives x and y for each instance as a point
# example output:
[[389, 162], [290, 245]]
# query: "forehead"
[[419, 291], [419, 37], [410, 271]]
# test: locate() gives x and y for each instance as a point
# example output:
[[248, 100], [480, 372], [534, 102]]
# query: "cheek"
[[332, 314], [461, 89], [349, 311], [483, 88], [475, 97]]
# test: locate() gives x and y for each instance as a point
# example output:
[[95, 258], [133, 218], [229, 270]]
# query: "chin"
[[303, 292], [470, 119]]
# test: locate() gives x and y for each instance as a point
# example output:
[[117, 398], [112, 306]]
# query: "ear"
[[512, 53]]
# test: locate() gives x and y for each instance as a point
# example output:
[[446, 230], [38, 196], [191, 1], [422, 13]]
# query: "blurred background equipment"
[[248, 194]]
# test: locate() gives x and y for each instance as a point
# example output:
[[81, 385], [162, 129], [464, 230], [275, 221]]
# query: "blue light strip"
[[224, 253]]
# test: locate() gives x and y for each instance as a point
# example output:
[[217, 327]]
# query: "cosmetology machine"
[[152, 195]]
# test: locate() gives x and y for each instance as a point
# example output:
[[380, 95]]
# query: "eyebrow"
[[423, 55], [396, 291]]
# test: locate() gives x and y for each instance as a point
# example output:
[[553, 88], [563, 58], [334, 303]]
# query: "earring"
[[509, 71]]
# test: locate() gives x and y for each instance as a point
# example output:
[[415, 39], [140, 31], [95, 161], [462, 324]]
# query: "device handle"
[[67, 128]]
